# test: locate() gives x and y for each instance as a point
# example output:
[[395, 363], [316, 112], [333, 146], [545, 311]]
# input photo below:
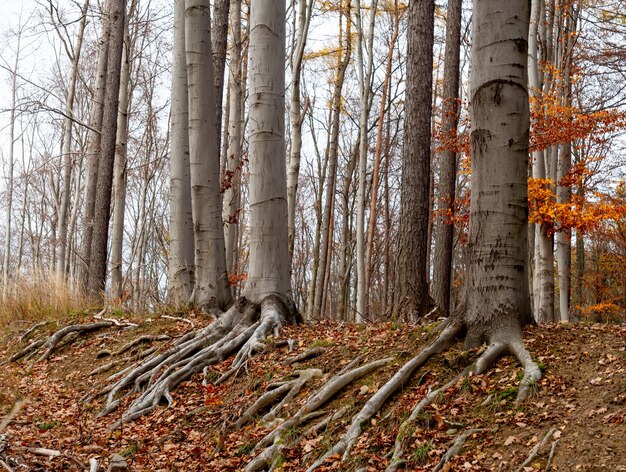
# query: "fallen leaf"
[[510, 440]]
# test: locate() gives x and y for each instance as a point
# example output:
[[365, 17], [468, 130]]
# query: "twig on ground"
[[551, 456], [456, 447], [314, 352], [176, 318], [535, 450], [12, 414], [30, 330]]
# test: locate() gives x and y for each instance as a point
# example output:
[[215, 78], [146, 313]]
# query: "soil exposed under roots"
[[304, 414]]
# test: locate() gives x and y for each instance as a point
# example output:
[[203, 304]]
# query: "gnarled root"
[[285, 391], [485, 360], [445, 339], [536, 448], [376, 402], [241, 330], [271, 444]]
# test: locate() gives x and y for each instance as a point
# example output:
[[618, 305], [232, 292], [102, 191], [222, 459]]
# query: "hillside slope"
[[582, 396]]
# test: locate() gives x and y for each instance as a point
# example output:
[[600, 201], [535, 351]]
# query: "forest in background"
[[343, 211]]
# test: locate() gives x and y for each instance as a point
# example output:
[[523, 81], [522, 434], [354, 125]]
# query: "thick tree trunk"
[[411, 287], [66, 150], [497, 288], [102, 213], [94, 140], [211, 290], [444, 234], [269, 241], [181, 261]]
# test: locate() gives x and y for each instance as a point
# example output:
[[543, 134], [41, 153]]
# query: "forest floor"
[[582, 395]]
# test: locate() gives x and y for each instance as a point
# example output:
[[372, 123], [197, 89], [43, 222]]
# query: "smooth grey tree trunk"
[[233, 164], [497, 288], [181, 260], [444, 233], [411, 285], [219, 39], [102, 208], [269, 241], [211, 289]]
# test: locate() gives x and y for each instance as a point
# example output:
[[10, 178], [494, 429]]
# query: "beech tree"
[[181, 260], [266, 303], [497, 290], [211, 289]]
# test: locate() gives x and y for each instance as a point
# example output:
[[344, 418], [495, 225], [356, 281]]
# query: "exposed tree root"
[[53, 341], [375, 403], [32, 329], [242, 330], [456, 447], [129, 345], [273, 442], [284, 391], [444, 340], [311, 353], [485, 360], [535, 450], [551, 456]]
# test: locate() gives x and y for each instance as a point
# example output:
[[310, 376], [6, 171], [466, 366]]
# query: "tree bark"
[[269, 240], [94, 140], [444, 234], [497, 289], [120, 174], [211, 290], [219, 39], [305, 10], [181, 260], [411, 288], [102, 213], [232, 193]]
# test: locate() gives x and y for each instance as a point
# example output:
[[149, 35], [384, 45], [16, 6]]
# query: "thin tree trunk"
[[333, 156], [305, 10], [120, 175], [232, 194], [411, 288], [211, 290], [10, 171], [377, 155], [102, 213], [364, 73], [94, 140], [66, 150], [219, 39], [444, 235], [181, 260]]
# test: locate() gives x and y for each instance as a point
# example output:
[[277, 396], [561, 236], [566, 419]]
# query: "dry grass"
[[39, 296]]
